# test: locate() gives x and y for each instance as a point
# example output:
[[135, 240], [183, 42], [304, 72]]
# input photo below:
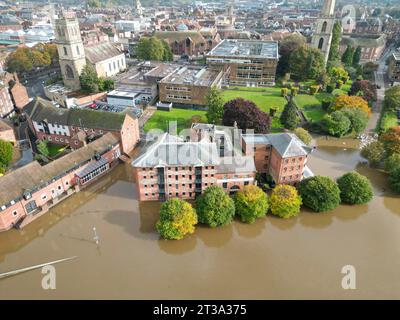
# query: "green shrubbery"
[[319, 193], [355, 188], [251, 203]]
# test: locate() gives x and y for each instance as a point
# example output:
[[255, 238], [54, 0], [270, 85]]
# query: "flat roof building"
[[189, 85], [251, 63]]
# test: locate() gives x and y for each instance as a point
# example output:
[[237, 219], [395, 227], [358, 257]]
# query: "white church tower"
[[70, 50], [322, 36]]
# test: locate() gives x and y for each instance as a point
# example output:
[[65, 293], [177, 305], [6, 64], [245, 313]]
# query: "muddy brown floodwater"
[[301, 257]]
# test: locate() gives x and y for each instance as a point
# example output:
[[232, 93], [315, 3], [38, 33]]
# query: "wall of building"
[[50, 195], [111, 67], [6, 104]]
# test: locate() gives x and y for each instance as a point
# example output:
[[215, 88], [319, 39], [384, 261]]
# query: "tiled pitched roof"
[[40, 109], [171, 36], [29, 177]]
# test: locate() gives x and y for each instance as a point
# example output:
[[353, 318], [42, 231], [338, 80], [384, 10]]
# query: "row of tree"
[[385, 153], [25, 59], [215, 208]]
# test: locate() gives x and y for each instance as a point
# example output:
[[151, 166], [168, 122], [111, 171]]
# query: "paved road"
[[380, 80]]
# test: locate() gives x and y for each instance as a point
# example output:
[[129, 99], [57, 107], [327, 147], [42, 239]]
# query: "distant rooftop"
[[246, 48], [200, 76]]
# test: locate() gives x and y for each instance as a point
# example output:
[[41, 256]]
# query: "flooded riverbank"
[[277, 258]]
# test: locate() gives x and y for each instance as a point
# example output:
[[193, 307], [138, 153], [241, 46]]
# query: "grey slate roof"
[[236, 164], [40, 109], [172, 151], [100, 52], [287, 144]]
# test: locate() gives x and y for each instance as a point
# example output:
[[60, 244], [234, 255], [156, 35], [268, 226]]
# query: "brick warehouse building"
[[74, 127], [282, 155], [217, 155], [172, 167], [30, 191]]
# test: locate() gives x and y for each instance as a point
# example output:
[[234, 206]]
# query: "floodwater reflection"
[[289, 258]]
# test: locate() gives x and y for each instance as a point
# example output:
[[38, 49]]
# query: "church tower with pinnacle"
[[70, 50], [322, 36]]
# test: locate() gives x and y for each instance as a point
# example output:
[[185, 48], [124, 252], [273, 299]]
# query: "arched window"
[[77, 50], [65, 51], [324, 25], [69, 72], [320, 43]]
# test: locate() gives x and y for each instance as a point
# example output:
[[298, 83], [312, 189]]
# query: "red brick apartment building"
[[74, 127], [210, 155], [173, 167], [282, 155], [30, 191]]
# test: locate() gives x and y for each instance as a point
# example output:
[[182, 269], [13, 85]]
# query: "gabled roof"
[[171, 36], [42, 110], [286, 144], [170, 150], [32, 175], [100, 52]]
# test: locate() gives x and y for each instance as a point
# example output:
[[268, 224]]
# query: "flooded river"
[[301, 257]]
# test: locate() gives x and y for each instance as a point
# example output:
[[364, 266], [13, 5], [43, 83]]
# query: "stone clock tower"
[[70, 50], [322, 36]]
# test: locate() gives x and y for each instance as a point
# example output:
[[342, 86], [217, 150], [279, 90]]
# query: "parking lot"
[[104, 106]]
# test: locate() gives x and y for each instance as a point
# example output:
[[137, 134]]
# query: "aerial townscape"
[[184, 143]]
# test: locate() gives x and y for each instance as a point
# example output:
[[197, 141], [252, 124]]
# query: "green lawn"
[[55, 149], [160, 119], [311, 105], [264, 98]]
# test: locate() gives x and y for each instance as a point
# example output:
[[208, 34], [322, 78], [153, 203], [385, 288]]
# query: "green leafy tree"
[[105, 84], [251, 203], [167, 54], [285, 201], [43, 148], [392, 98], [374, 152], [348, 56], [335, 43], [358, 119], [394, 180], [336, 124], [357, 57], [89, 80], [215, 207], [303, 135], [215, 106], [6, 153], [338, 73], [152, 48], [391, 140], [392, 162], [289, 117], [319, 193], [177, 218], [306, 63], [355, 188], [286, 47]]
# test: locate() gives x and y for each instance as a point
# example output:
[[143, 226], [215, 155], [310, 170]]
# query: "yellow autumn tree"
[[285, 201], [177, 218], [344, 101]]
